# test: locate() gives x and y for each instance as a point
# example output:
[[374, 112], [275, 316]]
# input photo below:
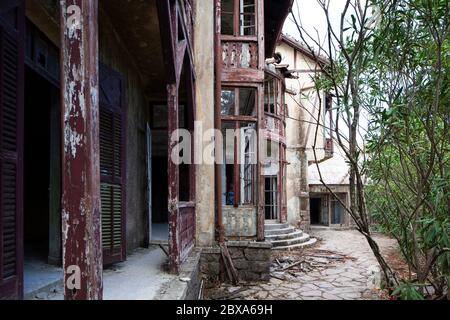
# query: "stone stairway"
[[284, 237]]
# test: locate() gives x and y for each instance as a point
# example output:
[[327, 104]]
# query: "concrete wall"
[[204, 62]]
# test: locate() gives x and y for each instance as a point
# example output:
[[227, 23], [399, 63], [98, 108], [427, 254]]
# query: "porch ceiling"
[[276, 12], [137, 24]]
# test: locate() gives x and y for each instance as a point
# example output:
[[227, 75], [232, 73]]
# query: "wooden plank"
[[242, 75], [229, 266]]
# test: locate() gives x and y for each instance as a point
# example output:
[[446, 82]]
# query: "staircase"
[[285, 237]]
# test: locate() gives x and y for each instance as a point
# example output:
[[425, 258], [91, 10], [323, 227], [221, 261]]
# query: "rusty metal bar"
[[81, 226]]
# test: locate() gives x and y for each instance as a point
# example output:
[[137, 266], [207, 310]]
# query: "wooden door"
[[112, 164], [12, 18]]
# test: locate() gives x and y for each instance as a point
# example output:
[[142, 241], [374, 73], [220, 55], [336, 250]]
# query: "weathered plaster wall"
[[112, 52], [239, 222], [321, 191], [204, 62], [303, 109]]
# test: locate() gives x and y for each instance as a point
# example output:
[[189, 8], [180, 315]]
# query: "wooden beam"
[[81, 226], [174, 180], [260, 170], [168, 37]]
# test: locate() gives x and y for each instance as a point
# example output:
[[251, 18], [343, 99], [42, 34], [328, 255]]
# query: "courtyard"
[[340, 266]]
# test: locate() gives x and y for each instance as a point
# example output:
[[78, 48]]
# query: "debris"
[[164, 249], [230, 295], [231, 270], [292, 265]]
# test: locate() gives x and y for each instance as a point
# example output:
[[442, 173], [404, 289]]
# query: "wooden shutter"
[[112, 164], [11, 118]]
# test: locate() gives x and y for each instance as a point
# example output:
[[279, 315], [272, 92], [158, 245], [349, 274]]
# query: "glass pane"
[[227, 101], [228, 189], [247, 18], [227, 6], [227, 24], [247, 102], [270, 95]]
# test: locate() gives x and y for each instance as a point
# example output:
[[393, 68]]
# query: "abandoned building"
[[325, 209], [89, 98], [310, 123]]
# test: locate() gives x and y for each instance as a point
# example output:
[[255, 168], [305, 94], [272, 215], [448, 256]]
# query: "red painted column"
[[173, 174], [260, 232], [81, 221]]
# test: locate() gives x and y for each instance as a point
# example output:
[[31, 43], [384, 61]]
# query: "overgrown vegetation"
[[389, 60], [408, 139]]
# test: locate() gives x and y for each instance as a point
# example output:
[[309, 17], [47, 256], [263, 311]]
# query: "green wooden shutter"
[[112, 165], [11, 118]]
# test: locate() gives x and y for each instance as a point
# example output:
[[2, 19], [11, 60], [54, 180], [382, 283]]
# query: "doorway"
[[315, 210], [42, 221], [271, 198], [157, 172]]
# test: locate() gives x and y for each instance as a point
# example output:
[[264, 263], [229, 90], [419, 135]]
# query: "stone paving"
[[354, 278]]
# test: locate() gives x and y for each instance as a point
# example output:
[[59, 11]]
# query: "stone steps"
[[283, 236], [308, 243], [275, 232], [272, 226]]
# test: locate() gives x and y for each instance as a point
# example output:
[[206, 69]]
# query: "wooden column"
[[174, 181], [81, 227], [260, 169]]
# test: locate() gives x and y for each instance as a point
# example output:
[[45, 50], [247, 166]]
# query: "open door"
[[12, 16]]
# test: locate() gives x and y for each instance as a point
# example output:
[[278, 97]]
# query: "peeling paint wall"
[[303, 110], [239, 222], [204, 62], [113, 52]]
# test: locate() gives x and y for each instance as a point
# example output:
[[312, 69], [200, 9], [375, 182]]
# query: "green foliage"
[[407, 291], [408, 141]]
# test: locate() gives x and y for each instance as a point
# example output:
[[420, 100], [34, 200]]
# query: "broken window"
[[239, 125], [239, 102], [273, 97], [238, 17], [247, 18]]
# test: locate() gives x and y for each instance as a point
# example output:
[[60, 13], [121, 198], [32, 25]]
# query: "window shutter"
[[11, 113], [112, 169]]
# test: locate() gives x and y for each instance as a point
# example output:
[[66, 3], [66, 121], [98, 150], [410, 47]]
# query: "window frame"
[[238, 15], [239, 122], [274, 87]]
